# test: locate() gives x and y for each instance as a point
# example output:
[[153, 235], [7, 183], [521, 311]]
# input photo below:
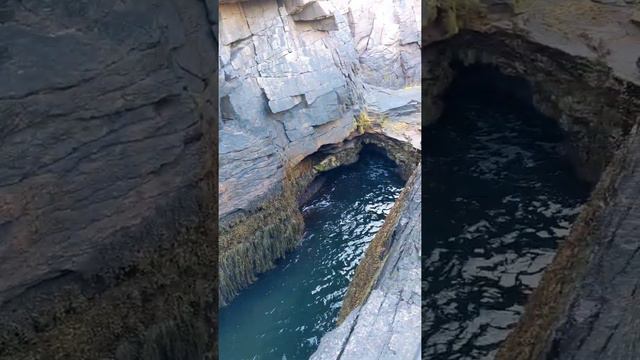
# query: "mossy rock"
[[329, 163]]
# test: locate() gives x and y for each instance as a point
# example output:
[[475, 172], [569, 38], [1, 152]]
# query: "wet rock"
[[327, 164]]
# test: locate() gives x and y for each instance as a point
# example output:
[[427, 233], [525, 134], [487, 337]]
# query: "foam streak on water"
[[286, 312], [498, 199]]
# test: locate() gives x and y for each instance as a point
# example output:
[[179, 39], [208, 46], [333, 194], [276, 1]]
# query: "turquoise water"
[[286, 312]]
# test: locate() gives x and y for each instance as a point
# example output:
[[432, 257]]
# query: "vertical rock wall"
[[292, 80], [293, 77], [286, 88]]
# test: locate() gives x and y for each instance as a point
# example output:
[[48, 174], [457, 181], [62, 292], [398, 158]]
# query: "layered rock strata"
[[107, 208], [293, 80]]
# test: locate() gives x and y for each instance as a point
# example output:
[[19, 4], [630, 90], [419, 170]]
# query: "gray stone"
[[283, 104], [327, 24], [286, 92], [383, 35], [233, 25]]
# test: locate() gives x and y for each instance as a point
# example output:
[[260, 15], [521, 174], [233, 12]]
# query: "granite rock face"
[[285, 90], [292, 80], [385, 326], [106, 110]]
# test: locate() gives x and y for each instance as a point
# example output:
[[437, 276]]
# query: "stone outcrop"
[[106, 166], [383, 304], [301, 85], [285, 90], [293, 79]]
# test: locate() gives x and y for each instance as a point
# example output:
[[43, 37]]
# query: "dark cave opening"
[[501, 192]]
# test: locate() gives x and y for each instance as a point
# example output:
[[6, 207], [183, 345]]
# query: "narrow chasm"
[[500, 195], [288, 309]]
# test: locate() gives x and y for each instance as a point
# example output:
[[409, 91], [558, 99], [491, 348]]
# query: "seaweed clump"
[[251, 244]]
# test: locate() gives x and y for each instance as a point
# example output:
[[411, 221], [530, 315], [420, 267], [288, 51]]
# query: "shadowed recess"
[[288, 309], [500, 195]]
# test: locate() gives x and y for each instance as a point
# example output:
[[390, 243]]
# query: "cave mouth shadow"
[[485, 85], [488, 200], [366, 149], [488, 84]]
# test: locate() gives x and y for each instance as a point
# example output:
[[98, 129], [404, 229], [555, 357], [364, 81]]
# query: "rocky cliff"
[[106, 166], [293, 78]]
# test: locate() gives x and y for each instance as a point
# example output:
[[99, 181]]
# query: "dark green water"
[[286, 312], [498, 199]]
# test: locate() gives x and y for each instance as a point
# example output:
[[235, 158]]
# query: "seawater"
[[288, 309], [499, 196]]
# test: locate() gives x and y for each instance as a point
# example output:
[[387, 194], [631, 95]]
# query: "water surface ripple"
[[498, 198], [286, 312]]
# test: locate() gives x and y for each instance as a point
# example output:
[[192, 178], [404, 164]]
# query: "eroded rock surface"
[[285, 89], [105, 157]]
